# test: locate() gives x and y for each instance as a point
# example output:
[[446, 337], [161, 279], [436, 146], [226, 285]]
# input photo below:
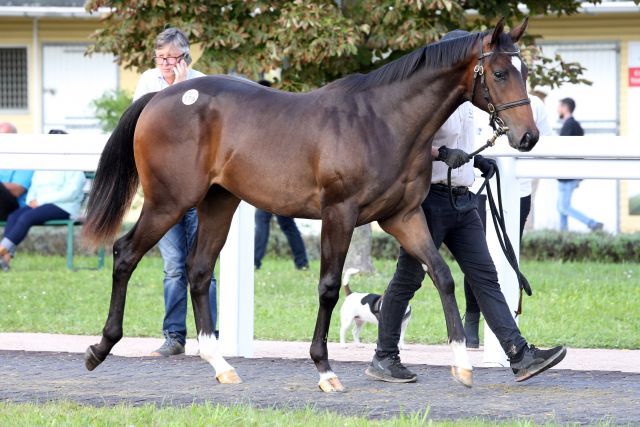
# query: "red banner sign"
[[634, 76]]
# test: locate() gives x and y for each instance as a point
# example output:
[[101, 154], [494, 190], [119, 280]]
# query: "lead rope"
[[497, 215]]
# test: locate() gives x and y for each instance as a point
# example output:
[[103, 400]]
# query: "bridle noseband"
[[496, 122]]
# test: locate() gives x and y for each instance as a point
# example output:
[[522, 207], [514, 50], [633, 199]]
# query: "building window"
[[14, 92]]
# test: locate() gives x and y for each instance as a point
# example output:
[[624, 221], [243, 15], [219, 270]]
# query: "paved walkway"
[[439, 355], [581, 390]]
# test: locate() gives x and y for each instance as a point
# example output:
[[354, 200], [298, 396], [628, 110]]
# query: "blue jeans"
[[22, 219], [565, 192], [174, 248], [288, 227]]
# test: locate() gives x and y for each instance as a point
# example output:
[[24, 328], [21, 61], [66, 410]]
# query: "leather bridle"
[[495, 121]]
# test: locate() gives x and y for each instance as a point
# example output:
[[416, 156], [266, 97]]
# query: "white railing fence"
[[554, 157], [596, 157], [82, 152]]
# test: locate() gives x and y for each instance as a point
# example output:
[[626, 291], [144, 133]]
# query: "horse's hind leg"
[[412, 233], [127, 252], [338, 222], [215, 213]]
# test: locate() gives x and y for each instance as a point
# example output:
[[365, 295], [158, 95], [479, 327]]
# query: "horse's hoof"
[[462, 375], [229, 377], [331, 385], [91, 361]]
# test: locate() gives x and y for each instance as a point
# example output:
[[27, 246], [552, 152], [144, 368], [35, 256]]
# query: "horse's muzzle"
[[528, 141]]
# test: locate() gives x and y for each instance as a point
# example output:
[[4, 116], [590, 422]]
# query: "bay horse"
[[354, 151]]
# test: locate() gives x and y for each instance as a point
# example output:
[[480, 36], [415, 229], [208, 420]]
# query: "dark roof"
[[43, 3]]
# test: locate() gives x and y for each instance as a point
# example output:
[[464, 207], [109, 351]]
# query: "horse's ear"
[[497, 31], [517, 32]]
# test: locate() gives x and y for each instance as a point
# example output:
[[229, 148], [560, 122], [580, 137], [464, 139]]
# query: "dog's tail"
[[345, 279]]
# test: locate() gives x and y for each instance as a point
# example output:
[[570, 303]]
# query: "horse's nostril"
[[528, 139]]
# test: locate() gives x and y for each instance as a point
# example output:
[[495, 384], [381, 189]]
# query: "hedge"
[[536, 245]]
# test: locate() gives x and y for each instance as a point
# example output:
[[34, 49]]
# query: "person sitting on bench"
[[52, 195], [13, 183]]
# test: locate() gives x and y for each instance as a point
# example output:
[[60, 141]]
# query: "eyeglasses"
[[170, 60]]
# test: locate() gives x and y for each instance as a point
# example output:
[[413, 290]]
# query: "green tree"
[[313, 42], [109, 107]]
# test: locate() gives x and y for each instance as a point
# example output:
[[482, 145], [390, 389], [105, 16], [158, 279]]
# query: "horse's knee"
[[329, 291], [200, 279]]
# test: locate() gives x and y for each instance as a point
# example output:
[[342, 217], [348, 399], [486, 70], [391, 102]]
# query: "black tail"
[[116, 179]]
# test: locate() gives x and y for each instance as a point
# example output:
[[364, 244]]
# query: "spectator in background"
[[52, 195], [13, 183], [566, 187], [172, 60], [288, 227]]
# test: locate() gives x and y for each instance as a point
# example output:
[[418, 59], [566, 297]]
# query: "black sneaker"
[[390, 369], [171, 346], [535, 361]]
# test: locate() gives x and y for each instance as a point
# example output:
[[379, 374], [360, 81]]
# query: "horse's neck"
[[420, 105]]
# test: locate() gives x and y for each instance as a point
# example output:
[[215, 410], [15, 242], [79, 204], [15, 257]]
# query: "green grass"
[[594, 305], [71, 414]]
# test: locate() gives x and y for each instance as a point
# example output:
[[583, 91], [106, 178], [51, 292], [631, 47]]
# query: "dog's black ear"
[[497, 31]]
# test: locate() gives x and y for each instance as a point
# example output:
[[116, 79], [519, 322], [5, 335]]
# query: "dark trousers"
[[21, 220], [8, 203], [288, 227], [525, 208], [463, 234]]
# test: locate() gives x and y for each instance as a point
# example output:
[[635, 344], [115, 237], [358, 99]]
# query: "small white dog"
[[359, 308]]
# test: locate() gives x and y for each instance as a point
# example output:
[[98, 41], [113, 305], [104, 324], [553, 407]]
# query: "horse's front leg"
[[215, 213], [338, 222], [412, 233]]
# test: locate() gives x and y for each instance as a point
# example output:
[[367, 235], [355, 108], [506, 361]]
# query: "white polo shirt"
[[456, 132], [152, 81]]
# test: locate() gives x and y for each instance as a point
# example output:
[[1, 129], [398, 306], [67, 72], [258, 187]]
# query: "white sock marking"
[[327, 375], [210, 351], [460, 355]]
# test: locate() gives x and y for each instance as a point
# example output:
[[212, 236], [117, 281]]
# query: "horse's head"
[[499, 85]]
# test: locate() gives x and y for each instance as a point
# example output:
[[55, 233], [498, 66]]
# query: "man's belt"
[[457, 191]]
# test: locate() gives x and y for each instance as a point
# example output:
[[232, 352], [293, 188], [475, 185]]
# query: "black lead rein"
[[497, 215]]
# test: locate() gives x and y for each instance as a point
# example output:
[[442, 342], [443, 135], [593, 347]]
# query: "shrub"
[[603, 247], [109, 108]]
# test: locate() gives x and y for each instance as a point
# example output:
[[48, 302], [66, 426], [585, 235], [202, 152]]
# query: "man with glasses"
[[172, 66]]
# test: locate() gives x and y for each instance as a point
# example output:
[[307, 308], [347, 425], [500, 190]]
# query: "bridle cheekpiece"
[[495, 121]]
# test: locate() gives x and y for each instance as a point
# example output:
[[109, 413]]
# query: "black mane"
[[432, 56]]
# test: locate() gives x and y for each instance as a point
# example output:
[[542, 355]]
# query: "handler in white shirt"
[[484, 132], [461, 229]]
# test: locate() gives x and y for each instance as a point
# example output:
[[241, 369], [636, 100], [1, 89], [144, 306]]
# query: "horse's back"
[[280, 151]]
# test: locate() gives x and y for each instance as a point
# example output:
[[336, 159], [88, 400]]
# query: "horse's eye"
[[499, 75]]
